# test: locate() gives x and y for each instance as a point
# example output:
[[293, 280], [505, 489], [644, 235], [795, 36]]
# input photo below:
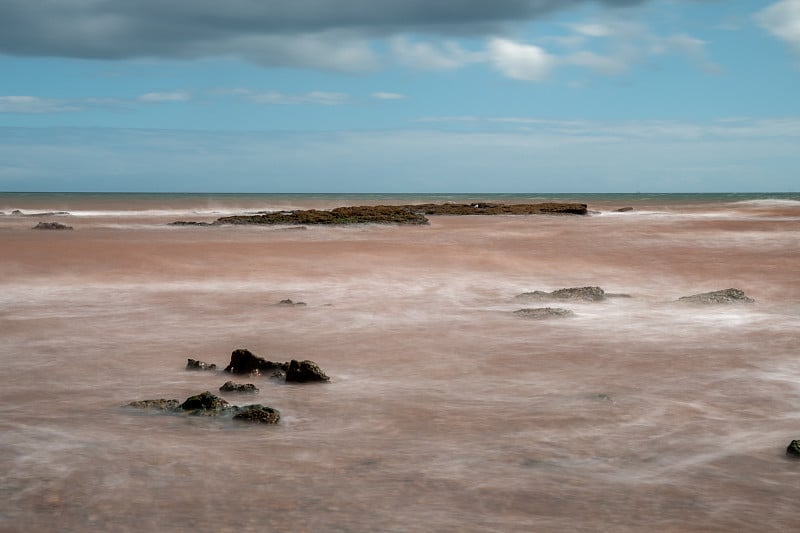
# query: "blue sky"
[[400, 95]]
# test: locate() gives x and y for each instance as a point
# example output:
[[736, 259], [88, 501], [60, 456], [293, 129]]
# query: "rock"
[[51, 225], [725, 296], [304, 371], [623, 209], [160, 405], [541, 313], [289, 303], [17, 212], [586, 294], [243, 361], [193, 364], [794, 448], [204, 402], [257, 413], [230, 386], [189, 223]]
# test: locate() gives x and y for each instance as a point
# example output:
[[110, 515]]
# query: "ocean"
[[445, 411]]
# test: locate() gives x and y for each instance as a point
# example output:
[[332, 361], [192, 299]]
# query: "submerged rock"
[[541, 313], [158, 405], [243, 361], [193, 364], [230, 386], [304, 371], [623, 209], [204, 401], [793, 449], [586, 294], [51, 225], [725, 296], [257, 413], [290, 303]]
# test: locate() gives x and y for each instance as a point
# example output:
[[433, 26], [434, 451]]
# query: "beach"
[[445, 411]]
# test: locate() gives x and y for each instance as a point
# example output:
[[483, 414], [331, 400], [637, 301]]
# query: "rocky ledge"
[[542, 313], [243, 361], [391, 214], [52, 225], [724, 296], [584, 294]]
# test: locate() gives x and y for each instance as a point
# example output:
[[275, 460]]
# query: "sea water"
[[445, 411]]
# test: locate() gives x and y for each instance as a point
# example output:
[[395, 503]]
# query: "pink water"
[[445, 412]]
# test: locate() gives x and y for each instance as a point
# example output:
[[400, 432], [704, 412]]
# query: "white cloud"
[[34, 105], [593, 30], [388, 96], [520, 61], [174, 96], [782, 19], [279, 98], [427, 56]]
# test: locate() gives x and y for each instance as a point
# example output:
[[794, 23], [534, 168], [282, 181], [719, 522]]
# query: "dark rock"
[[204, 402], [725, 296], [586, 294], [189, 223], [547, 208], [290, 303], [17, 212], [230, 386], [278, 374], [617, 295], [245, 362], [193, 364], [158, 405], [541, 313], [623, 209], [794, 448], [303, 371], [257, 413], [51, 225]]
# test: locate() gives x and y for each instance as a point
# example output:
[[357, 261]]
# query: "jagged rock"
[[257, 413], [230, 386], [160, 405], [204, 401], [303, 371], [51, 225], [193, 364], [725, 296], [793, 449], [586, 294], [243, 361], [290, 303], [541, 313]]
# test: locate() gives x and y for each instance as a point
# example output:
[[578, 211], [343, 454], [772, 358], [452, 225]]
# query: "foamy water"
[[445, 411]]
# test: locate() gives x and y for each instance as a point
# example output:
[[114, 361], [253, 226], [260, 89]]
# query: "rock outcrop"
[[243, 361], [585, 294], [542, 313], [304, 371], [207, 404], [157, 405], [793, 449], [725, 297], [257, 413], [204, 402]]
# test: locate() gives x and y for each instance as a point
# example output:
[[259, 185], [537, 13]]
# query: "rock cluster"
[[194, 364], [541, 313], [230, 386], [585, 294], [243, 361], [207, 404]]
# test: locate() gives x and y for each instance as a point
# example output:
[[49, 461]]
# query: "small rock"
[[290, 303], [243, 361], [303, 371], [230, 386], [204, 402], [17, 212], [189, 223], [541, 313], [725, 296], [193, 364], [51, 225], [160, 405], [794, 448], [623, 209], [257, 413]]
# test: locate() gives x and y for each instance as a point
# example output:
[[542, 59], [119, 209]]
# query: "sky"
[[391, 96]]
